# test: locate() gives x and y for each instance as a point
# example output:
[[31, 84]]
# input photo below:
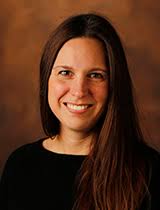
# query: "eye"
[[97, 75], [65, 73]]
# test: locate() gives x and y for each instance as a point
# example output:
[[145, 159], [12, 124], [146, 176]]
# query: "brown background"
[[25, 26]]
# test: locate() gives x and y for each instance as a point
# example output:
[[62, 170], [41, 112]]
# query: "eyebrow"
[[71, 68]]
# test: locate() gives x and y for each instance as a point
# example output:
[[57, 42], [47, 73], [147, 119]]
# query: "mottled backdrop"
[[26, 24]]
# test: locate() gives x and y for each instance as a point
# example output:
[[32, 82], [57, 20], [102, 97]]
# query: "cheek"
[[56, 90], [101, 93]]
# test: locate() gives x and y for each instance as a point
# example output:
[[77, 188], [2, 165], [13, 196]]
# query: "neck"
[[72, 142]]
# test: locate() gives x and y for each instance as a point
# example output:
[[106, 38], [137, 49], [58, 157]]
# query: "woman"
[[94, 156]]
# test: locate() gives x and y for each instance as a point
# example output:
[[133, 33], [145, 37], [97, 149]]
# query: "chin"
[[79, 128]]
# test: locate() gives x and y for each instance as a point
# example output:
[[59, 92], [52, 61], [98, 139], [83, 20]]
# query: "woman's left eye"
[[96, 75]]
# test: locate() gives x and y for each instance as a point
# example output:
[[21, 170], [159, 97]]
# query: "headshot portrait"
[[89, 147]]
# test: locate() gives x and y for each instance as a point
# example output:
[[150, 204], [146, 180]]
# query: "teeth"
[[77, 107]]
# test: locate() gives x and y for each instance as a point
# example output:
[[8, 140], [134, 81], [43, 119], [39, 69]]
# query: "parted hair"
[[113, 175]]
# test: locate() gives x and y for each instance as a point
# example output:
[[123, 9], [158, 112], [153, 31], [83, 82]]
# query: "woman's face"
[[78, 84]]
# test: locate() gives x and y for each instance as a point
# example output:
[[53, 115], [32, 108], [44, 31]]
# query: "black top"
[[35, 178]]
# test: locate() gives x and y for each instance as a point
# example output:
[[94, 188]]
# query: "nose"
[[79, 88]]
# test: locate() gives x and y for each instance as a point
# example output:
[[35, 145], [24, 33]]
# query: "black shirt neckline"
[[43, 149]]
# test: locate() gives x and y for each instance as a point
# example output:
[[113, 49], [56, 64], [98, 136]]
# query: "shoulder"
[[151, 156], [154, 184], [27, 148], [155, 163], [154, 156], [21, 161], [25, 153]]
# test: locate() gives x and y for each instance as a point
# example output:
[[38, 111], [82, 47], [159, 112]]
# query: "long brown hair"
[[112, 176]]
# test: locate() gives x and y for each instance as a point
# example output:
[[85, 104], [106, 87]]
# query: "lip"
[[75, 110]]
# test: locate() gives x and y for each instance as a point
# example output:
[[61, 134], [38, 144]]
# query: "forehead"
[[81, 52]]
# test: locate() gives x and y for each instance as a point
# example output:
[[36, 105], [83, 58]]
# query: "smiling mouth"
[[78, 107]]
